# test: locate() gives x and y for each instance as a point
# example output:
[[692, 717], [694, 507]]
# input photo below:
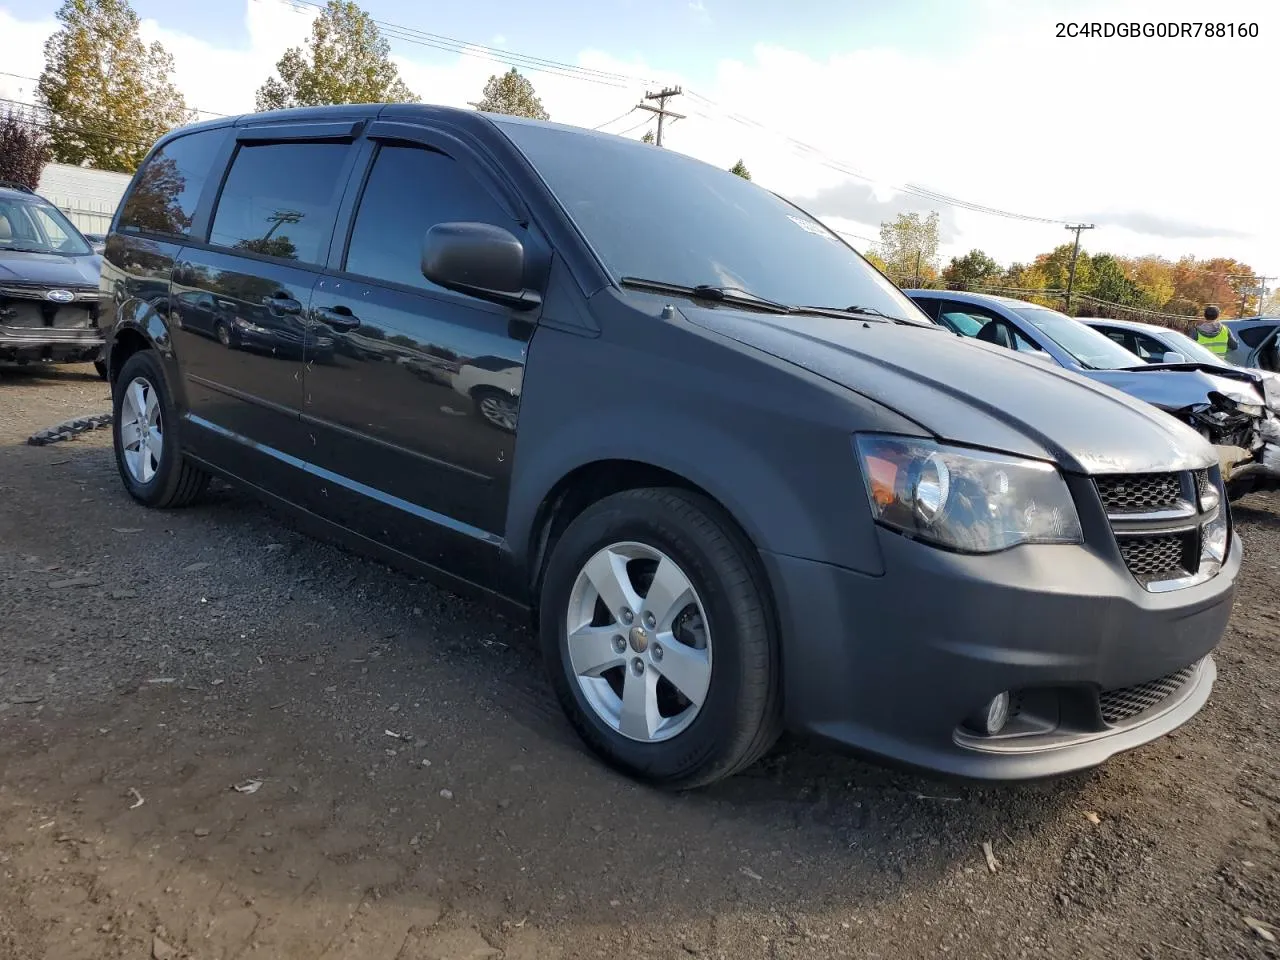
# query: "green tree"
[[24, 149], [648, 137], [741, 170], [909, 244], [513, 95], [1108, 281], [1056, 268], [974, 269], [347, 60], [110, 97]]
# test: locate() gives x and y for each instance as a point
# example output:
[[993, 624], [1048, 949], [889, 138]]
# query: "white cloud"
[[1142, 135]]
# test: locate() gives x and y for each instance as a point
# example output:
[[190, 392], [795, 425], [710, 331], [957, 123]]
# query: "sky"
[[1163, 144]]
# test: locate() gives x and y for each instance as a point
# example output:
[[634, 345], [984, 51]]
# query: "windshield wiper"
[[24, 250], [859, 311], [730, 295]]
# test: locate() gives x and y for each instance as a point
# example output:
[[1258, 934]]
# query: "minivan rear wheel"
[[144, 433], [658, 638]]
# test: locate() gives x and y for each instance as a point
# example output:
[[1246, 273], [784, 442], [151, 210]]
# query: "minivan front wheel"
[[658, 638], [143, 428]]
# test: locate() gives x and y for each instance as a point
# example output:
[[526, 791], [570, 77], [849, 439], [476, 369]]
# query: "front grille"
[[36, 291], [1126, 703], [1153, 559], [1140, 492], [1159, 522]]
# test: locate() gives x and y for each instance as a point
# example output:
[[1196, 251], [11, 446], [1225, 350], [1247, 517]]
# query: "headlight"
[[967, 500]]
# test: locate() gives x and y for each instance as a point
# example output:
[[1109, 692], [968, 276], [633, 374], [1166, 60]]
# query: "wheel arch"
[[140, 326]]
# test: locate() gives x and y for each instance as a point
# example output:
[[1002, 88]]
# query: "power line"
[[616, 119], [825, 159], [198, 110], [623, 133], [486, 52], [618, 79]]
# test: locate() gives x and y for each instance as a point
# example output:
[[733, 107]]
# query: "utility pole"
[[1260, 290], [661, 109], [918, 253], [1075, 252]]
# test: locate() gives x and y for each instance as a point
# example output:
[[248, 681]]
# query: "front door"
[[238, 303], [413, 410]]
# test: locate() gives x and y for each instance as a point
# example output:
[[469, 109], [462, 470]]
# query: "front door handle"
[[341, 318], [283, 303]]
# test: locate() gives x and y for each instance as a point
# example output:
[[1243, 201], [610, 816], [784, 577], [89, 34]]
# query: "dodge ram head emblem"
[[60, 296]]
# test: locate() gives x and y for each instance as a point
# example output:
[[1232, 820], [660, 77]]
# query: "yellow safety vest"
[[1218, 343]]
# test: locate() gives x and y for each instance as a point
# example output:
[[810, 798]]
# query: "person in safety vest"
[[1211, 334]]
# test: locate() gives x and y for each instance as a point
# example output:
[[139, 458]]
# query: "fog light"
[[994, 715]]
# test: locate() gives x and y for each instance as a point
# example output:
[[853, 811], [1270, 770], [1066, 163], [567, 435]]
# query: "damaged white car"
[[1233, 408]]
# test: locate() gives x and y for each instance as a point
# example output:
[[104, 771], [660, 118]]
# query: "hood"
[[51, 269], [1174, 386], [967, 392]]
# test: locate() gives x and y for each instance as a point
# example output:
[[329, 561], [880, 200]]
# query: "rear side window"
[[164, 196], [410, 190], [281, 199], [1253, 336]]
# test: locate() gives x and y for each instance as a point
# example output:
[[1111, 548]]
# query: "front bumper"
[[31, 345], [892, 665]]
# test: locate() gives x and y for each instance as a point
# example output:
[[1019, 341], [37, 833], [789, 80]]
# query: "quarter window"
[[1253, 336], [410, 190], [281, 200], [164, 196]]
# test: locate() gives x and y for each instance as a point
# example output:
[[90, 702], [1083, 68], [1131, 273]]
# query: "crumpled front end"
[[1246, 437]]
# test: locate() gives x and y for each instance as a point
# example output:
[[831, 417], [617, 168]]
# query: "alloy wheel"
[[638, 641], [141, 430]]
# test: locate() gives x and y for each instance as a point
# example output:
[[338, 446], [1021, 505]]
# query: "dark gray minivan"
[[738, 479]]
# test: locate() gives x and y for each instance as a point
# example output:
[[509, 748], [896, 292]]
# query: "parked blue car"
[[1225, 405]]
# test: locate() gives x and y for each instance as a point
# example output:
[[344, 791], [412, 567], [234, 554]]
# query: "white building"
[[88, 197]]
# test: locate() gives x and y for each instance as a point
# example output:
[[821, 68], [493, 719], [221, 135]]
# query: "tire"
[[169, 480], [223, 333], [739, 717]]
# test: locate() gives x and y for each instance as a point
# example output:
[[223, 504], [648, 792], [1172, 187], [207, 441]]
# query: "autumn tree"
[[909, 245], [24, 149], [1154, 277], [876, 261], [512, 94], [110, 97], [648, 137], [741, 170], [1024, 277], [974, 269], [346, 60]]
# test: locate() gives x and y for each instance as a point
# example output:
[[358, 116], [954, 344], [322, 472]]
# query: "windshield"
[[35, 226], [658, 215], [1087, 346], [1193, 351]]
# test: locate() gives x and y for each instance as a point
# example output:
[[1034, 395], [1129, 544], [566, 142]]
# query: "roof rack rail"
[[14, 185]]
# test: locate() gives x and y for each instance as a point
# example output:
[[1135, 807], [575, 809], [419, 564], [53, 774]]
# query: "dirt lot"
[[421, 798]]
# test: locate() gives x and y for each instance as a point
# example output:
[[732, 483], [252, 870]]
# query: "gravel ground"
[[409, 790]]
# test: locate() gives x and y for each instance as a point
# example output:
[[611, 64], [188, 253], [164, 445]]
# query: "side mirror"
[[478, 259], [1172, 356]]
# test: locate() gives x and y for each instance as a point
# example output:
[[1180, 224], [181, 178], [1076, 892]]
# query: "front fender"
[[787, 474], [140, 317]]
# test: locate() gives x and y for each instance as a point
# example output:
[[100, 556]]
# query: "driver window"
[[1149, 349]]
